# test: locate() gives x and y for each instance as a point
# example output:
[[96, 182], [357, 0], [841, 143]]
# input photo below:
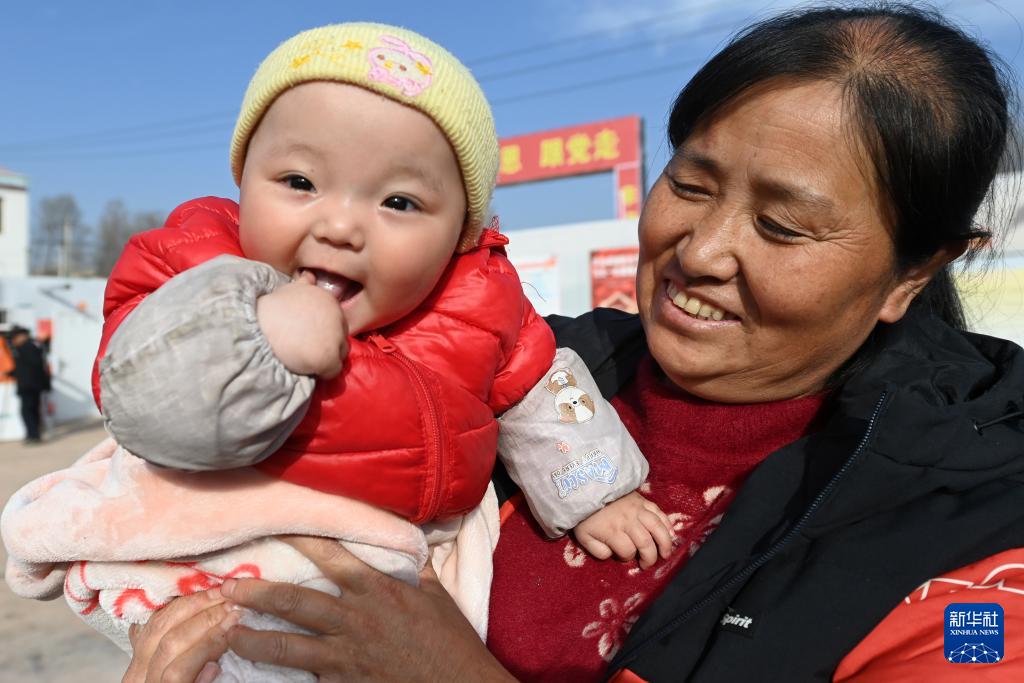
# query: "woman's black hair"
[[927, 102]]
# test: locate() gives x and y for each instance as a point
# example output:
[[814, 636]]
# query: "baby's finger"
[[593, 546], [645, 546], [305, 276], [622, 545], [661, 533], [652, 507]]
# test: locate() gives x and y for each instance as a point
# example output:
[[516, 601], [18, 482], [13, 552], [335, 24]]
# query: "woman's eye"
[[298, 182], [688, 190], [776, 230], [398, 203]]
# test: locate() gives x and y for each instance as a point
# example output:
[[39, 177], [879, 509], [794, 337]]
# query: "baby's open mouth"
[[340, 287]]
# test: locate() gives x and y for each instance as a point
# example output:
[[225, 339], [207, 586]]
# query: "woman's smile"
[[672, 311], [696, 306]]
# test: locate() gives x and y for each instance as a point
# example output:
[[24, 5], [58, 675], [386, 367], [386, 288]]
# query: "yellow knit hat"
[[401, 65]]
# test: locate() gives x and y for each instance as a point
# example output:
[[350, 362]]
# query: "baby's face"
[[358, 189]]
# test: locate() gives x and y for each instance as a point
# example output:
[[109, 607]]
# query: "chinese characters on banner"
[[613, 278], [612, 145]]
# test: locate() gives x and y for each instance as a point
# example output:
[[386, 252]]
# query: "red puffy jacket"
[[409, 423]]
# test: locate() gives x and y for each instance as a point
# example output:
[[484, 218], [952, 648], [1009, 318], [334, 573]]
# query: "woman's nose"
[[341, 224], [710, 247]]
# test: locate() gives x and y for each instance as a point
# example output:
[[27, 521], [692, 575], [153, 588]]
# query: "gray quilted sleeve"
[[567, 449], [190, 382]]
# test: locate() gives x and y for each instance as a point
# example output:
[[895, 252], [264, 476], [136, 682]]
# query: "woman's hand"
[[380, 629], [182, 642]]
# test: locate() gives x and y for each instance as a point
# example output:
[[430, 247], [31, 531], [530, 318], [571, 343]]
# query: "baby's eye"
[[399, 203], [298, 182]]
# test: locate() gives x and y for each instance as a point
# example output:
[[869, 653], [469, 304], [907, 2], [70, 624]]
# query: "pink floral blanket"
[[120, 538]]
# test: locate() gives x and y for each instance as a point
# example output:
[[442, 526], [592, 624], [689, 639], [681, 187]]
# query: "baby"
[[350, 326], [366, 157]]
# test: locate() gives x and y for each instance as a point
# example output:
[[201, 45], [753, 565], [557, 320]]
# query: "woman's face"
[[765, 252]]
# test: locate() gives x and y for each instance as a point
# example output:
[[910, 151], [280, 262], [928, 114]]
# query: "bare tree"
[[116, 228], [60, 240], [147, 220], [114, 231]]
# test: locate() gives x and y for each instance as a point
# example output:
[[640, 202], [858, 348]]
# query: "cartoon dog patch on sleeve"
[[572, 403]]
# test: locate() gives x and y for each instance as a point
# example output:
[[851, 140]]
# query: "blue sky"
[[136, 100]]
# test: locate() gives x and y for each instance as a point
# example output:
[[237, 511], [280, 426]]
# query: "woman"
[[798, 378]]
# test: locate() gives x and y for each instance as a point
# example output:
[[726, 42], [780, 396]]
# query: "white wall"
[[13, 225], [571, 245]]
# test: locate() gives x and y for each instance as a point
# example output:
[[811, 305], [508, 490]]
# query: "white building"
[[13, 224], [69, 311]]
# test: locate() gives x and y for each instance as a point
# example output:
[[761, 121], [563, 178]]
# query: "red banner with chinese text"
[[569, 151], [628, 190]]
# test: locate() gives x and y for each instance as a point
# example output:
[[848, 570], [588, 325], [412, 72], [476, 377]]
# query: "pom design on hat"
[[399, 65]]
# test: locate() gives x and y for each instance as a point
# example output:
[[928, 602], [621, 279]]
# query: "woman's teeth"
[[695, 307]]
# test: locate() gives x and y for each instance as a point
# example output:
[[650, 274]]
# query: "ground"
[[45, 642]]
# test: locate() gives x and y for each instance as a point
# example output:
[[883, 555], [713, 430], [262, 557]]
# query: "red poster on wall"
[[613, 278]]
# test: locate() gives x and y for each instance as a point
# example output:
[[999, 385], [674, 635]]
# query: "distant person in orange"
[[32, 377]]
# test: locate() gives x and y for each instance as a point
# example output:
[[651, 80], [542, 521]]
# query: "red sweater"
[[558, 614]]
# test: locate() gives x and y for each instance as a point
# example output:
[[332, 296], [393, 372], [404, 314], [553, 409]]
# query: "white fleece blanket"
[[121, 538]]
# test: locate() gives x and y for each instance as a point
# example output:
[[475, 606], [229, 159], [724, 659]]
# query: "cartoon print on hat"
[[397, 64]]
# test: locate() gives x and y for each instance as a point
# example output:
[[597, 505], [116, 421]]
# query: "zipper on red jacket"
[[433, 444]]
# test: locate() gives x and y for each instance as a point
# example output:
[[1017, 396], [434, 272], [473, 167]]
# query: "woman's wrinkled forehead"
[[829, 104]]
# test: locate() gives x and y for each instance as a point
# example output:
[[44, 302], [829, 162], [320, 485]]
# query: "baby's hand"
[[627, 527], [305, 327]]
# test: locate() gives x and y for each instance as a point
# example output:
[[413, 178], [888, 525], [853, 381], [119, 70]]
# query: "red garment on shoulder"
[[909, 644], [558, 614]]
